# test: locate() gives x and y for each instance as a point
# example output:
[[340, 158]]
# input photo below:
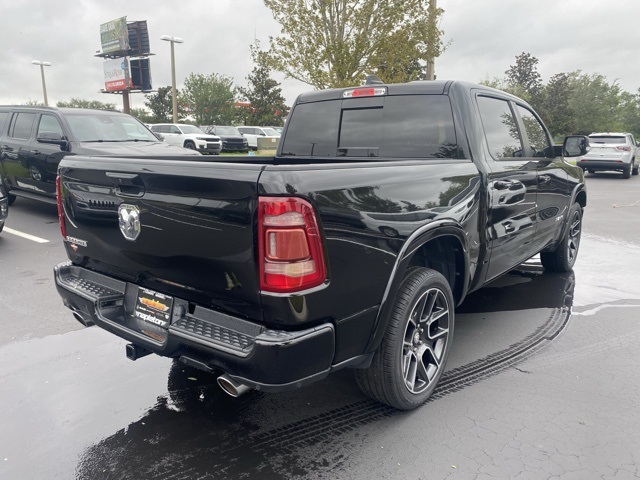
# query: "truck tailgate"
[[195, 222]]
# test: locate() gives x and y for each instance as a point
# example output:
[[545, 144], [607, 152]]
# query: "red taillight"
[[625, 148], [63, 225], [290, 248]]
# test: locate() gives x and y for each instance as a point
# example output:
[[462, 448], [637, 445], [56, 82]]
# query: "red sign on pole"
[[116, 75]]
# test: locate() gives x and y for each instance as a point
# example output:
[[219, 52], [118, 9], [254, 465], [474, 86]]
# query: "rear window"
[[405, 126], [607, 139]]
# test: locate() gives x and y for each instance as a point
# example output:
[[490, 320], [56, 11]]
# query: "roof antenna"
[[373, 80]]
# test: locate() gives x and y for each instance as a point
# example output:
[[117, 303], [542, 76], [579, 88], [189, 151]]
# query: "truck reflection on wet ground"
[[197, 431]]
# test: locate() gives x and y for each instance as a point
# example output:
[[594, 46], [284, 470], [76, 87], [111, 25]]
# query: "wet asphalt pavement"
[[543, 382]]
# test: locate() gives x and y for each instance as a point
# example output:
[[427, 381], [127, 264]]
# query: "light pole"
[[44, 85], [173, 40]]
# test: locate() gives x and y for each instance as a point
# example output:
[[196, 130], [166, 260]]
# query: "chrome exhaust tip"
[[82, 320], [232, 387]]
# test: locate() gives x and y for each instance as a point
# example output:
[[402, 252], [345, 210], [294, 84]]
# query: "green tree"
[[524, 75], [210, 99], [555, 106], [81, 103], [574, 102], [268, 106], [34, 103], [630, 112], [595, 103], [161, 106], [143, 115], [335, 43]]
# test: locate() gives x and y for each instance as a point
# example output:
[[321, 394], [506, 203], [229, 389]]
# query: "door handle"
[[127, 184], [544, 178], [35, 152]]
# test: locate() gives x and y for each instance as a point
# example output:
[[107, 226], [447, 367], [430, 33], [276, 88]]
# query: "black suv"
[[232, 139], [33, 140]]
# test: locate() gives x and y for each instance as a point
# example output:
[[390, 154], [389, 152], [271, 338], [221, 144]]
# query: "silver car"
[[611, 151]]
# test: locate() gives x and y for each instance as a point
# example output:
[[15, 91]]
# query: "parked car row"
[[214, 139]]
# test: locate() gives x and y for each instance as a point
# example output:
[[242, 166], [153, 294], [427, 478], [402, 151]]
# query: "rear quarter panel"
[[367, 212]]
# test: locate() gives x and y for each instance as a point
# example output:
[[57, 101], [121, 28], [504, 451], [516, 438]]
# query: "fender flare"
[[415, 241]]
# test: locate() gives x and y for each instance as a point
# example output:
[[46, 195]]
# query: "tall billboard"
[[116, 75], [138, 38], [114, 35], [140, 74]]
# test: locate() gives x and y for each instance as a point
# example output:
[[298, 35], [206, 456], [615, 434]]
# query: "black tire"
[[412, 356], [190, 145], [626, 173], [634, 170], [563, 258], [11, 199]]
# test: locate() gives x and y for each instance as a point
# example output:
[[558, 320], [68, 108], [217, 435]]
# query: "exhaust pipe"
[[134, 352], [232, 387], [82, 320]]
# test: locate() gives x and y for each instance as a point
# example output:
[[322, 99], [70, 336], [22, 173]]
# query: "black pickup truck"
[[384, 206]]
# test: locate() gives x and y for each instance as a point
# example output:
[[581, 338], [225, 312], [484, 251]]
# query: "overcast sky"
[[484, 38]]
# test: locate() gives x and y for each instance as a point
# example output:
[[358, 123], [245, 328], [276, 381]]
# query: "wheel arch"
[[580, 196], [440, 246]]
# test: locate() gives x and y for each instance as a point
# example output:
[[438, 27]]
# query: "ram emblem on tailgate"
[[129, 220]]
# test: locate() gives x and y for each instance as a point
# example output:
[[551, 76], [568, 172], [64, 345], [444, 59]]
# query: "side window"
[[48, 125], [21, 125], [3, 119], [500, 128], [174, 129], [536, 133]]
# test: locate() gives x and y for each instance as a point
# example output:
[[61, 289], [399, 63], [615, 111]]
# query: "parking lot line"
[[33, 238]]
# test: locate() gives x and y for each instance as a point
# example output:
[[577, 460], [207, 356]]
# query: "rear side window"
[[500, 128], [404, 126], [21, 125], [538, 140], [3, 119]]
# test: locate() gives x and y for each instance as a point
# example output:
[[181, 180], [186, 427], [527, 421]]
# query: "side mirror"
[[53, 139], [575, 146], [159, 136]]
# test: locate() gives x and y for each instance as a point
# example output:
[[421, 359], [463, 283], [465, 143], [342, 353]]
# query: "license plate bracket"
[[153, 307]]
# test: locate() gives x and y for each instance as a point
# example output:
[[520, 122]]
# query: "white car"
[[253, 133], [188, 136], [611, 151]]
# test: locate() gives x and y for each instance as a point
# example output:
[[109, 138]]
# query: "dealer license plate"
[[153, 307]]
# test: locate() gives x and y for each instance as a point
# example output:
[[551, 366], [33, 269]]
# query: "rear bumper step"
[[270, 360]]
